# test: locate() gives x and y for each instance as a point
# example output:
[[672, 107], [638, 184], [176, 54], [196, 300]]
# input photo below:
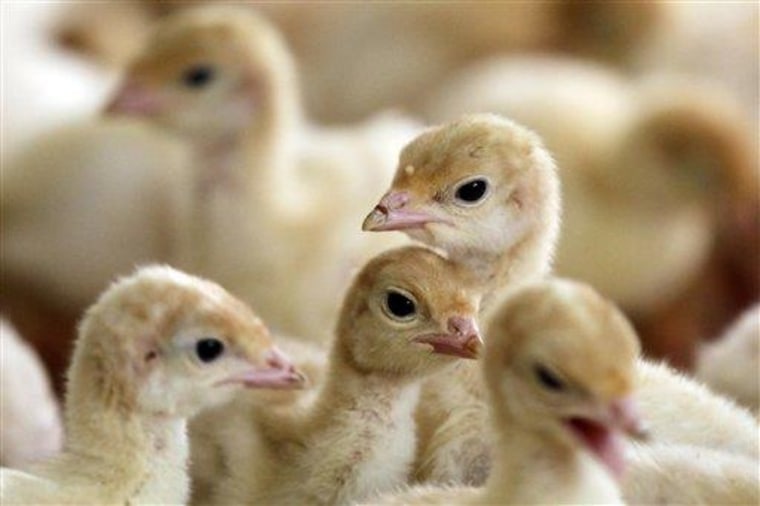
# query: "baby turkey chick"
[[156, 348], [409, 313], [560, 369], [268, 212], [451, 443], [30, 420], [484, 190]]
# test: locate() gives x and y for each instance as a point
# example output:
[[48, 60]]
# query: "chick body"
[[142, 366]]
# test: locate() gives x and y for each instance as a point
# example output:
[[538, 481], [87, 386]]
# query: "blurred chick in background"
[[44, 86], [30, 420], [356, 58], [273, 203]]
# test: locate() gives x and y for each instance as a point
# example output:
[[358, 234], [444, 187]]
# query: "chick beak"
[[601, 434], [462, 339], [392, 213], [278, 373], [134, 99], [625, 415]]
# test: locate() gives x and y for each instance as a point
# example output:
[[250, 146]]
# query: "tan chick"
[[409, 314], [268, 212], [30, 420], [484, 190], [156, 348], [560, 370], [455, 450]]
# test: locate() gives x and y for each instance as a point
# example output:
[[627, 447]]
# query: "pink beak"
[[391, 214], [625, 415], [601, 436], [134, 99], [280, 373], [463, 339]]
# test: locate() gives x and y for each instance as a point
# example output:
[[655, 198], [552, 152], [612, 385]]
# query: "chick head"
[[411, 312], [164, 342], [208, 73], [479, 179], [562, 360]]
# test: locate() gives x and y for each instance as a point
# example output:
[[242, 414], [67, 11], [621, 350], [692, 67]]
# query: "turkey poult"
[[409, 314], [30, 420], [456, 451], [271, 196], [484, 190], [156, 348], [560, 370]]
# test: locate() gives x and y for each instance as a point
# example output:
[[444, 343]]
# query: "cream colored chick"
[[44, 85], [484, 190], [30, 420], [730, 365], [650, 158], [409, 313], [156, 348], [452, 417], [269, 211], [560, 370]]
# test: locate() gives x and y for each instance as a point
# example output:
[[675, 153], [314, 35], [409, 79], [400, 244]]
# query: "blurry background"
[[651, 109]]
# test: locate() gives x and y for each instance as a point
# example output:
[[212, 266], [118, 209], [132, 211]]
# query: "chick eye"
[[198, 76], [548, 379], [209, 349], [472, 191], [399, 305]]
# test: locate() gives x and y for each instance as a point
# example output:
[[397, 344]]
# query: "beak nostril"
[[462, 326], [393, 201], [276, 359]]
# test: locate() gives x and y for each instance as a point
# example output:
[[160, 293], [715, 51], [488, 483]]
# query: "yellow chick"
[[560, 369], [30, 420], [268, 211], [452, 416], [156, 348], [410, 313], [484, 190]]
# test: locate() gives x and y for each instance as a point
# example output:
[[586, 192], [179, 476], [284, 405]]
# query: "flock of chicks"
[[561, 408]]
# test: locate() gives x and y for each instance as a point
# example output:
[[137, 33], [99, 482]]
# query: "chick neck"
[[540, 465], [350, 386], [109, 441], [250, 162]]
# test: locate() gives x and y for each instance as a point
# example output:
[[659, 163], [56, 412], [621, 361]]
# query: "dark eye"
[[399, 305], [472, 191], [198, 76], [209, 349], [548, 379]]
